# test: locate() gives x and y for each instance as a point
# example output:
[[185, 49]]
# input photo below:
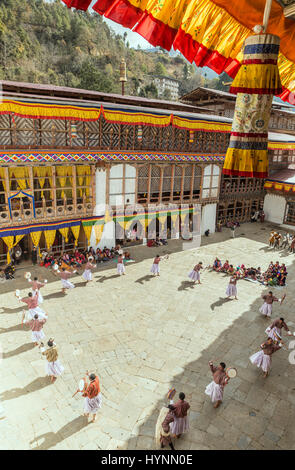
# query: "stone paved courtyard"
[[143, 335]]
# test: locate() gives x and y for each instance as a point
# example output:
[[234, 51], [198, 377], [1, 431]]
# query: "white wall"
[[274, 208], [208, 218]]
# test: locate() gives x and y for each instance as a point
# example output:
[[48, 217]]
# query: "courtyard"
[[143, 335]]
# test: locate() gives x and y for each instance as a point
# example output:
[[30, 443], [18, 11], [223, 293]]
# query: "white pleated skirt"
[[87, 275], [37, 336], [194, 275], [266, 309], [179, 425], [92, 405], [214, 391], [155, 269], [271, 333], [54, 368], [40, 296], [120, 268], [231, 290], [66, 284], [33, 311], [261, 360]]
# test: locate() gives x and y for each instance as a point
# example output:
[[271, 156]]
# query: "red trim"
[[260, 61], [256, 91], [248, 174], [249, 134], [119, 11], [78, 4], [155, 32], [29, 116]]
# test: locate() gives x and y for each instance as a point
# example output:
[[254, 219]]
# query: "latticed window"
[[177, 182], [197, 181], [155, 183], [188, 172], [290, 213], [166, 185], [142, 183]]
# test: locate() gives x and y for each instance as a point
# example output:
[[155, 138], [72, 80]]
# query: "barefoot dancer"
[[216, 387], [36, 286], [155, 269], [274, 331], [87, 275], [266, 308], [181, 419], [93, 397], [66, 284], [232, 287], [53, 365], [194, 275], [36, 326], [262, 358], [33, 308], [120, 265]]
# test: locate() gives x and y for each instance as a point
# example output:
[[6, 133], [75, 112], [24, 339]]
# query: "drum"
[[90, 258], [28, 275], [231, 372]]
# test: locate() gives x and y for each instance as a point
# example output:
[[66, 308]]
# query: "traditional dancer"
[[266, 308], [163, 432], [36, 326], [36, 286], [181, 420], [155, 269], [53, 365], [194, 275], [262, 358], [87, 275], [274, 331], [216, 387], [93, 397], [232, 287], [66, 284], [33, 308], [120, 265]]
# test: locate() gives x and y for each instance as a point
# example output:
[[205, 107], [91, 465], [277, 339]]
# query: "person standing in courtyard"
[[36, 286], [262, 359], [163, 431], [231, 290], [36, 326], [53, 365], [266, 308], [215, 388], [195, 275], [33, 306], [65, 283], [120, 265], [93, 397], [155, 269], [180, 424], [87, 274]]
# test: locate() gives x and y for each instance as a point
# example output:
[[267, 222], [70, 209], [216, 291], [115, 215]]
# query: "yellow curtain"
[[41, 172], [76, 232], [88, 231], [98, 229], [9, 243], [35, 236], [18, 238], [65, 233], [84, 178], [62, 172], [21, 173], [162, 218], [49, 237], [107, 217], [2, 177], [174, 218]]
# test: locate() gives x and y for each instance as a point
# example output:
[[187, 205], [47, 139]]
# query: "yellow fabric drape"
[[18, 238], [42, 172], [76, 232], [35, 236], [174, 218], [9, 243], [62, 173], [98, 230], [65, 233], [2, 177], [21, 173], [49, 237], [88, 231], [84, 178]]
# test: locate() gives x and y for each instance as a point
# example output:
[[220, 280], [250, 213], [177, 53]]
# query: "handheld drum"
[[231, 372], [81, 387], [28, 275]]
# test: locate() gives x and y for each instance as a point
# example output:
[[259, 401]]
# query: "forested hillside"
[[47, 43]]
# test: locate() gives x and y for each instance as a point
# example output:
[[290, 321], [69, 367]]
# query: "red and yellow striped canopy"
[[207, 32]]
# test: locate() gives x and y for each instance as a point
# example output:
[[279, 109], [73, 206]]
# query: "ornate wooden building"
[[68, 154]]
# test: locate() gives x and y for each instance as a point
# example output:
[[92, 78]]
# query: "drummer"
[[87, 274], [36, 286], [216, 387], [33, 307], [266, 308], [66, 284], [36, 326], [93, 397], [274, 331]]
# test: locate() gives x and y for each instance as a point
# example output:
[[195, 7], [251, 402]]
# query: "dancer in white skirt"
[[87, 274], [36, 326], [155, 269], [53, 365], [181, 419], [66, 284], [266, 308], [120, 265], [216, 387], [93, 397], [274, 331], [36, 286], [33, 307], [195, 275], [232, 287], [262, 359]]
